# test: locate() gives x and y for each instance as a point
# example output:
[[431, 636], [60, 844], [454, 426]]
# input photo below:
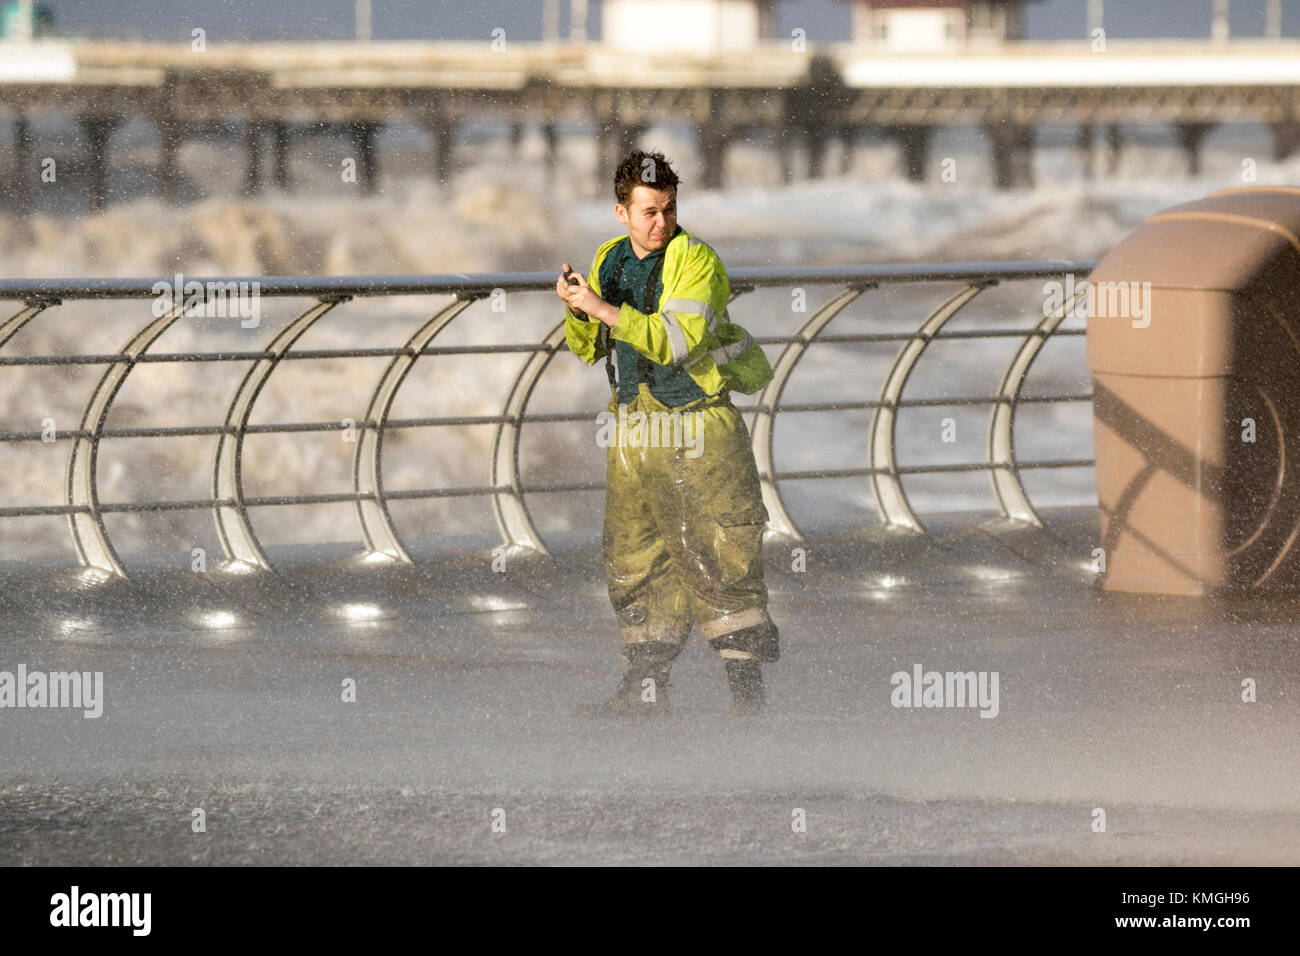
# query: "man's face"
[[651, 218]]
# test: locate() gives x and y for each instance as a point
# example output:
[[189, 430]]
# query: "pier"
[[268, 94]]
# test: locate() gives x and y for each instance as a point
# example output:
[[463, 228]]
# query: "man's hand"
[[579, 297], [564, 288]]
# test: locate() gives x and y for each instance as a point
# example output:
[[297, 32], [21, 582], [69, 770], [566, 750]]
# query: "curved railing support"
[[233, 526], [89, 536], [1013, 500], [377, 528], [886, 484], [518, 533], [763, 437]]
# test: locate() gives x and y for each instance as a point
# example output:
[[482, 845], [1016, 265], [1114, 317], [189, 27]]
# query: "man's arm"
[[583, 335], [692, 308]]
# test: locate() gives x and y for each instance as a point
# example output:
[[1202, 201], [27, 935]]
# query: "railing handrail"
[[484, 283]]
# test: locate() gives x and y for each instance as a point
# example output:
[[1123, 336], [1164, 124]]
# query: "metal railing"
[[230, 505]]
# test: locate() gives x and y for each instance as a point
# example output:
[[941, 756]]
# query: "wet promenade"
[[225, 693]]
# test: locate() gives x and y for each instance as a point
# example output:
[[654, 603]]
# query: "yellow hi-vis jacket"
[[691, 328]]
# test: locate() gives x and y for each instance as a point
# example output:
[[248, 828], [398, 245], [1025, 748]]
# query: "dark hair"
[[639, 168]]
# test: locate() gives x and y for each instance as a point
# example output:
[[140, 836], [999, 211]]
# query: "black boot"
[[746, 681], [634, 697], [762, 642]]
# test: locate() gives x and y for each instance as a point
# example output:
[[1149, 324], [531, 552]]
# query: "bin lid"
[[1233, 240]]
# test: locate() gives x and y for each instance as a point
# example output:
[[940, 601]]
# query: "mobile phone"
[[568, 274]]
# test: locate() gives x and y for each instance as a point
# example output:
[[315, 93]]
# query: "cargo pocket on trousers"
[[755, 514], [739, 546]]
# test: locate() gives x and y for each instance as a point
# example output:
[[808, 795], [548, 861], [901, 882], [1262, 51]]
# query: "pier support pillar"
[[848, 140], [713, 154], [21, 174], [1114, 148], [98, 131], [169, 144], [629, 138], [614, 142], [1013, 154], [362, 136], [253, 169], [782, 150], [551, 150], [816, 138], [443, 131], [280, 147], [1286, 139], [1191, 137], [1083, 144], [604, 149], [914, 142]]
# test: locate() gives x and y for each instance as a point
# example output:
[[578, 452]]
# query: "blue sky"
[[824, 20]]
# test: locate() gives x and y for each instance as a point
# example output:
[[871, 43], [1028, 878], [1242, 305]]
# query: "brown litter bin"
[[1197, 402]]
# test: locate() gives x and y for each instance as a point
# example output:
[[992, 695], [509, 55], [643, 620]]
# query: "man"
[[683, 518]]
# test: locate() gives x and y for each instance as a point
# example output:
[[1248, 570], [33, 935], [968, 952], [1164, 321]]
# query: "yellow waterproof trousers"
[[683, 532]]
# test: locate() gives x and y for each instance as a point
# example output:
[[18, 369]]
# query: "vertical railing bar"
[[1009, 491], [89, 534], [234, 527], [882, 450], [377, 528], [518, 532], [764, 428]]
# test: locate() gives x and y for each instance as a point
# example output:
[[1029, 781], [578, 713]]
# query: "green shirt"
[[669, 384]]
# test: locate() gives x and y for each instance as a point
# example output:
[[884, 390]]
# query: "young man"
[[684, 516]]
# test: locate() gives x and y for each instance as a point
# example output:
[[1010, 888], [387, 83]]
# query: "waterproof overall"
[[684, 512]]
